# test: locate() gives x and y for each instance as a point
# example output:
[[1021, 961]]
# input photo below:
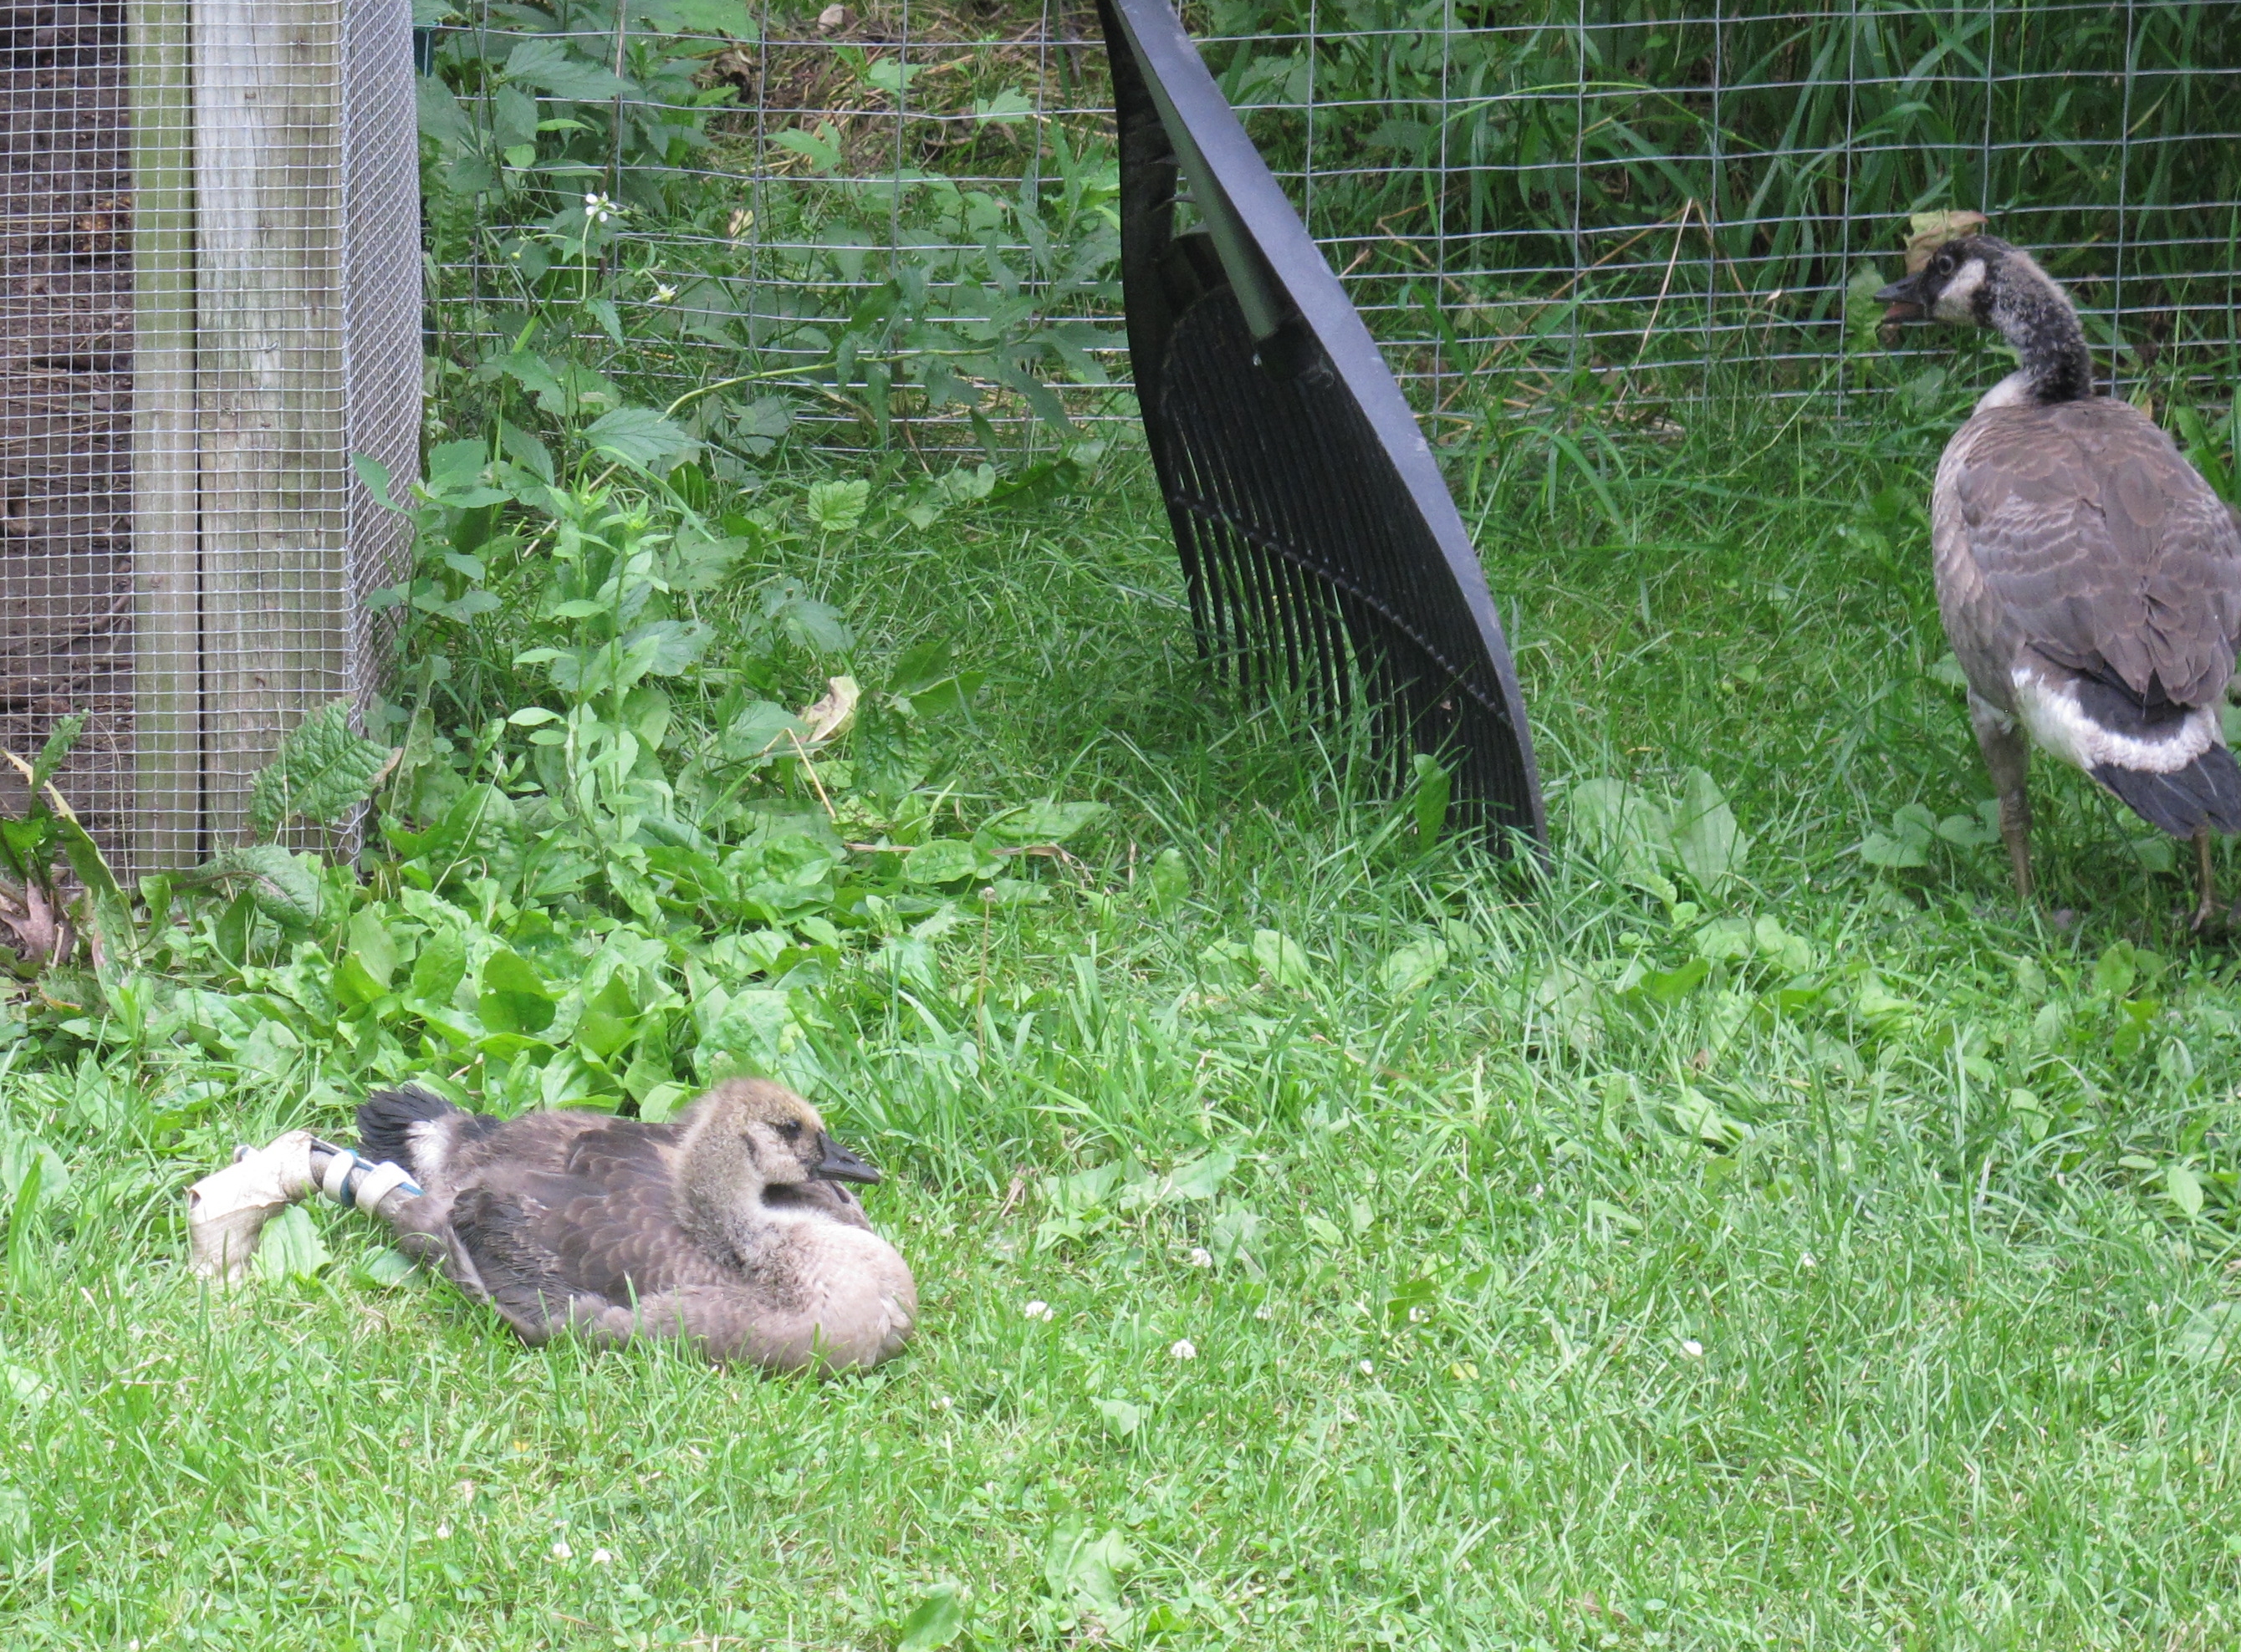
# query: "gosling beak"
[[1906, 299], [840, 1164]]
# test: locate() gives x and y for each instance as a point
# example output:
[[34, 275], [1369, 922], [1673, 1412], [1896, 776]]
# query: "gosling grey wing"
[[2103, 547], [534, 1142], [623, 1150], [501, 1258], [616, 1232]]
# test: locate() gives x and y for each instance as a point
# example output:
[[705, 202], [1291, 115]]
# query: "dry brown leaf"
[[836, 713], [1926, 232]]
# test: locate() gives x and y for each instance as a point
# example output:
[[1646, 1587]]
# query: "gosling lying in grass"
[[729, 1226]]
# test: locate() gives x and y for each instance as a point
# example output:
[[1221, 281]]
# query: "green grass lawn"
[[1352, 1248]]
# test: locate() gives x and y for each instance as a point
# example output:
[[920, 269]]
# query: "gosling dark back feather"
[[2107, 550]]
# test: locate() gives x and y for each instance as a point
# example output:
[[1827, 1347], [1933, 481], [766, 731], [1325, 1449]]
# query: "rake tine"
[[1324, 556]]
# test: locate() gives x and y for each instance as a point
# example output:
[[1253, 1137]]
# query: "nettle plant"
[[624, 846], [585, 185], [531, 106], [634, 825]]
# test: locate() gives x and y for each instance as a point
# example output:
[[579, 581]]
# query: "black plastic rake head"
[[1323, 554]]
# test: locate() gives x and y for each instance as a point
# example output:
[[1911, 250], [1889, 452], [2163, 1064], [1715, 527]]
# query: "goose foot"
[[2007, 758], [2208, 920]]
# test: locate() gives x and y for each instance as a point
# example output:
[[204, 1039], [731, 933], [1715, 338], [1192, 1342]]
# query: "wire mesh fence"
[[900, 220], [208, 258], [65, 330], [1651, 190]]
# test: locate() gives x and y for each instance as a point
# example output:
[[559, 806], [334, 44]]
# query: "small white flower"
[[444, 1530], [1200, 1256], [598, 209], [943, 1403], [561, 1551], [1806, 1260], [1039, 1309], [1183, 1350], [663, 292], [1692, 1347], [1538, 1189], [600, 1557], [1264, 1312], [1366, 1369]]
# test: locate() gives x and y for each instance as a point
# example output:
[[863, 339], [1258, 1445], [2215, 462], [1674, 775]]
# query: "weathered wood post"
[[166, 583], [269, 395], [276, 295]]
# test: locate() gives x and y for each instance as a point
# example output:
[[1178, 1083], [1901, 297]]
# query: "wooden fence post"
[[277, 616], [166, 582]]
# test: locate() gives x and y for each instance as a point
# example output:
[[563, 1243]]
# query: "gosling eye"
[[790, 1129], [1945, 263]]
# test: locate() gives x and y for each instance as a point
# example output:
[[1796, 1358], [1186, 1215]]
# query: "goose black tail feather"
[[385, 1121], [2206, 793]]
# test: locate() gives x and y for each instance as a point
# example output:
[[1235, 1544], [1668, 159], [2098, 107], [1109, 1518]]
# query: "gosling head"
[[1982, 281], [748, 1134], [1960, 279]]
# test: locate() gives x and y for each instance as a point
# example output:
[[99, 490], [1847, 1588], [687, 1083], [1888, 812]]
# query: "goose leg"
[[2007, 754], [2205, 905]]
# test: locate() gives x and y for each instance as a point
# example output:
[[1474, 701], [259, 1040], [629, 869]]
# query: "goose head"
[[747, 1136], [1982, 281]]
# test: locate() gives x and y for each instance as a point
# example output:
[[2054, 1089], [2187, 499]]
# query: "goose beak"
[[840, 1164], [1905, 298]]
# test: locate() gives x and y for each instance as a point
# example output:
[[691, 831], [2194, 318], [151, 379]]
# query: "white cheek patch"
[[1957, 302]]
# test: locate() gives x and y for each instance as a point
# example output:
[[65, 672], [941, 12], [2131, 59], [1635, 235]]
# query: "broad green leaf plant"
[[635, 827]]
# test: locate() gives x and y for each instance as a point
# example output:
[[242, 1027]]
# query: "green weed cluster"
[[1328, 1236], [589, 163]]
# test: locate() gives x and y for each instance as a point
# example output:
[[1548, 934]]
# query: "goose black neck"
[[2038, 321]]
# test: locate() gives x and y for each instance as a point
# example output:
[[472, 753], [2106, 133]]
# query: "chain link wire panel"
[[904, 214], [65, 399], [1652, 190], [209, 258], [894, 220]]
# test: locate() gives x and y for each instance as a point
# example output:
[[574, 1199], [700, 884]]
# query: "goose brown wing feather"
[[622, 1240], [514, 1270], [603, 1223], [535, 1141], [622, 1152], [2107, 550]]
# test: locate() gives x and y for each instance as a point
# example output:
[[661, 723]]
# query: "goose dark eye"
[[791, 1130], [1945, 263]]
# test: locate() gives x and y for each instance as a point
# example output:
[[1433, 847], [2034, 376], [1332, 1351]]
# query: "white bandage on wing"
[[380, 1182]]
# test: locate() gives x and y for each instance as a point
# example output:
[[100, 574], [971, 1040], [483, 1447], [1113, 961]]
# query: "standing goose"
[[2089, 578], [728, 1225]]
